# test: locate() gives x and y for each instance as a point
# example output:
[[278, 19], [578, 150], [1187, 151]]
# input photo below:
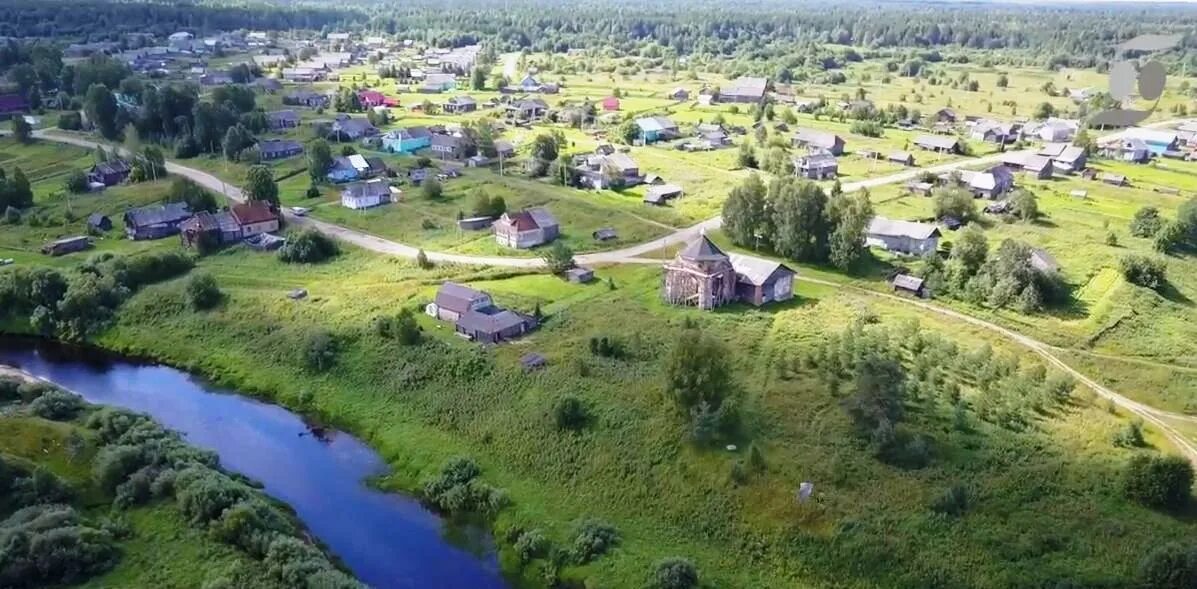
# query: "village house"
[[526, 228], [616, 170], [1128, 150], [1039, 166], [255, 217], [703, 276], [437, 83], [938, 143], [744, 90], [811, 138], [11, 105], [155, 221], [816, 166], [1158, 141], [460, 104], [1066, 158], [528, 109], [714, 135], [448, 147], [944, 115], [354, 167], [475, 315], [61, 247], [529, 84], [110, 173], [303, 74], [216, 79], [995, 132], [1055, 130], [99, 222], [610, 104], [365, 195], [903, 237], [374, 98], [346, 128], [653, 129], [267, 85], [990, 183], [282, 119], [306, 98], [213, 228], [408, 140], [275, 149], [679, 94]]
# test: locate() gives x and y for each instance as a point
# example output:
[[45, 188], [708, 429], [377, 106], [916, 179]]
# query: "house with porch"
[[366, 195], [816, 166], [255, 218], [814, 139], [615, 170]]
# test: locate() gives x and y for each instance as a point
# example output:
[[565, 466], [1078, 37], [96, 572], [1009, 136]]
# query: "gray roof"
[[543, 217], [462, 100], [457, 297], [664, 190], [1036, 163], [816, 161], [490, 320], [375, 188], [746, 86], [1071, 154], [446, 141], [1043, 261], [895, 228], [756, 271], [817, 138], [173, 212], [274, 145], [937, 141], [114, 166], [908, 282], [702, 250], [283, 115]]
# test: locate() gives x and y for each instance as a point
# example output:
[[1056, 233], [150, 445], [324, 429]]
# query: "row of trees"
[[795, 218]]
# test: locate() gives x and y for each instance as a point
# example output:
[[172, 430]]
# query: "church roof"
[[702, 250]]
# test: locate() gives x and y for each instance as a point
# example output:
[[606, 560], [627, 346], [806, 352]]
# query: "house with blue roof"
[[654, 129], [1158, 141], [407, 140]]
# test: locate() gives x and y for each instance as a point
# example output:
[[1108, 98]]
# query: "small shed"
[[910, 284], [532, 361], [299, 293], [67, 245], [661, 193], [605, 234], [579, 275], [475, 223], [99, 222], [1113, 179]]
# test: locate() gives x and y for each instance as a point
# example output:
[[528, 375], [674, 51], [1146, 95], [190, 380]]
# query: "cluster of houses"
[[241, 221]]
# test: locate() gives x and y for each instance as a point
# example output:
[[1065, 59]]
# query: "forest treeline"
[[763, 31]]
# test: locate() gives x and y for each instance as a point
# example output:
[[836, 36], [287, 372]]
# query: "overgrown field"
[[1041, 505]]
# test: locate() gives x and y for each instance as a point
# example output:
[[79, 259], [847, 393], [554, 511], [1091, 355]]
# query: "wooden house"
[[155, 221], [527, 228], [904, 237], [255, 217]]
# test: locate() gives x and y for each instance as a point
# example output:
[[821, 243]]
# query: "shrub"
[[9, 388], [52, 546], [431, 189], [402, 328], [592, 539], [1171, 566], [320, 350], [674, 573], [57, 405], [39, 488], [1143, 271], [953, 502], [308, 247], [531, 545], [1158, 481], [202, 292], [75, 182], [1130, 436], [203, 494], [251, 525], [114, 463], [571, 413], [457, 489], [1146, 222]]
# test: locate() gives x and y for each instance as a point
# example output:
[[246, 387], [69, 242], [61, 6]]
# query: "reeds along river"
[[388, 541]]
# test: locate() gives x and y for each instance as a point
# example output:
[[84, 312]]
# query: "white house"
[[365, 195], [904, 237]]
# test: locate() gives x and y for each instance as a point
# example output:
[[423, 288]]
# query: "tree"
[[1003, 80], [697, 371], [478, 77], [802, 228], [101, 109], [1146, 222], [320, 159], [851, 216], [674, 573], [1044, 110], [236, 139], [1162, 482], [260, 185], [628, 132], [308, 247], [879, 390], [955, 202], [22, 130], [746, 214], [971, 249], [75, 182], [1024, 204], [202, 292], [187, 191], [545, 147], [1085, 141], [558, 258]]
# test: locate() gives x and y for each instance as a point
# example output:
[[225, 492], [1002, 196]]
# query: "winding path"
[[1159, 418]]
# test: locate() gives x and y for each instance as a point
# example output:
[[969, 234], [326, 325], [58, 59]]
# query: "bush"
[[1162, 482], [1171, 566], [457, 489], [320, 350], [50, 545], [953, 502], [57, 405], [531, 545], [308, 247], [402, 328], [1146, 222], [1144, 271], [202, 292], [75, 182], [571, 413], [1130, 436], [674, 573], [593, 539]]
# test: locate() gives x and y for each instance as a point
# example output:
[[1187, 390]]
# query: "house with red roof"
[[373, 98], [527, 228], [610, 103], [255, 218]]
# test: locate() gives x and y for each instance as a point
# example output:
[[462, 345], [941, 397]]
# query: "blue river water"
[[388, 541]]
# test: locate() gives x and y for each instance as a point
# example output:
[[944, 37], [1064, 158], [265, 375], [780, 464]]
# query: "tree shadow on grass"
[[1171, 293]]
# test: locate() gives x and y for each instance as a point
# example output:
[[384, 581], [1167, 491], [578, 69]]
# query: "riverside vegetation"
[[106, 497]]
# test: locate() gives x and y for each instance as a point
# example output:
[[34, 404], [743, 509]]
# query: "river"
[[388, 541]]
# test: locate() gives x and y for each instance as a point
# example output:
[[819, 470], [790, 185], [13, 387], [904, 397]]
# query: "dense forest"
[[764, 30]]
